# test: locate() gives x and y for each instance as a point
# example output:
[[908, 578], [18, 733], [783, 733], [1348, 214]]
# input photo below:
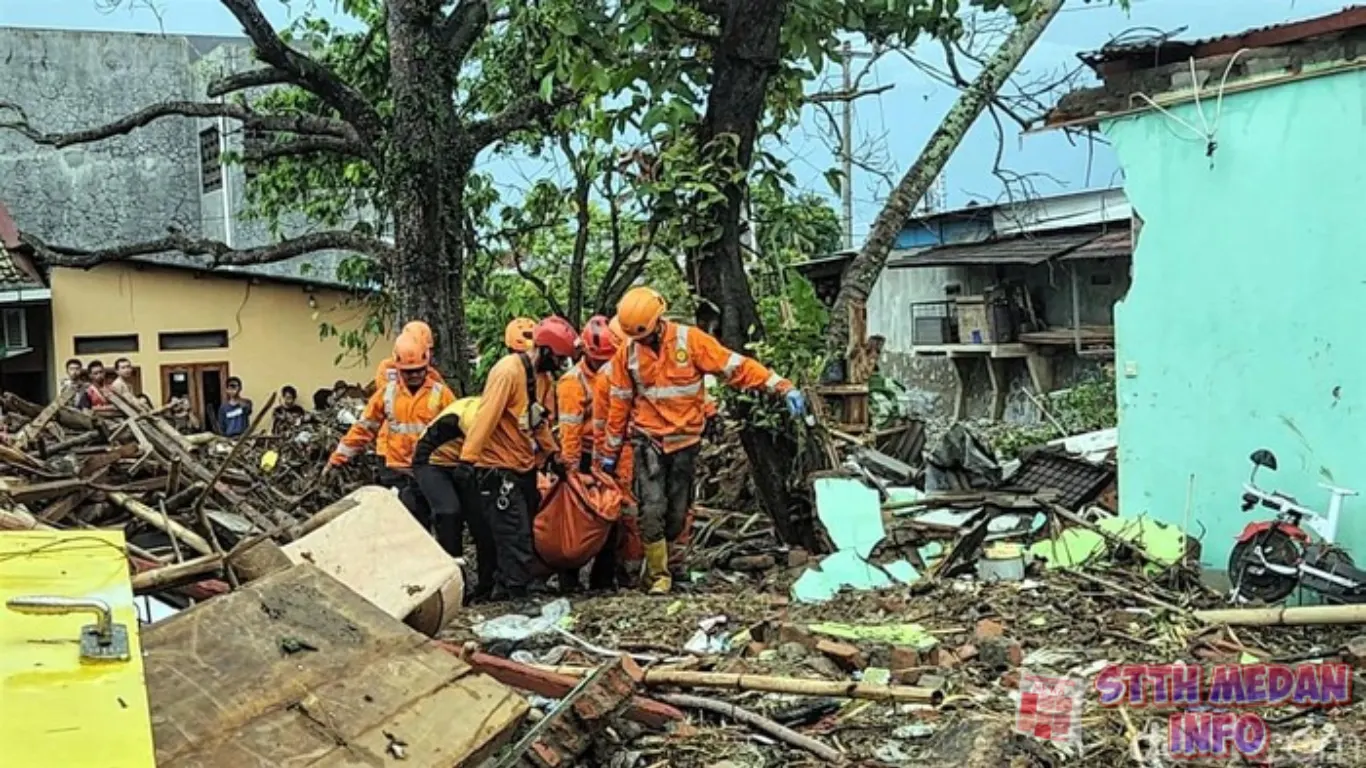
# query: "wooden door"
[[200, 383]]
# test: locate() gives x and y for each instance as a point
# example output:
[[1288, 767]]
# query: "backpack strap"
[[530, 388]]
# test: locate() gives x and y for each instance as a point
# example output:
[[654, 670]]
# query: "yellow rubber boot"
[[657, 567]]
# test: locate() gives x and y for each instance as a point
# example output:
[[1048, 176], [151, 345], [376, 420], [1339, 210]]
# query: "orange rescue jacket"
[[602, 403], [662, 394], [574, 400], [395, 418], [508, 432], [385, 373]]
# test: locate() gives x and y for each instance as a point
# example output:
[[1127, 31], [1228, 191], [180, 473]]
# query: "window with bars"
[[15, 329], [210, 159]]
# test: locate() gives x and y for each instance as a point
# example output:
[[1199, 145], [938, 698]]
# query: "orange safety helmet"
[[640, 310], [615, 328], [422, 331], [518, 336], [599, 343], [410, 354], [556, 335]]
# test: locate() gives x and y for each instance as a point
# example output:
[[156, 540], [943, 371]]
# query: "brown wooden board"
[[236, 683]]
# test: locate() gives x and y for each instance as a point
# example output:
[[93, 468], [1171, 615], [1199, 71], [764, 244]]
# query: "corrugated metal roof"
[[1110, 245], [1160, 49], [1027, 250]]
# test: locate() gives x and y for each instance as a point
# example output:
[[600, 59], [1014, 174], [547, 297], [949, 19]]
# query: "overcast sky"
[[893, 125]]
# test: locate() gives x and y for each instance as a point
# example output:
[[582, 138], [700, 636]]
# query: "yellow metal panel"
[[56, 710]]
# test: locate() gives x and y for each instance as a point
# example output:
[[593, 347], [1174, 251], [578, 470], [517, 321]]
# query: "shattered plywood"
[[297, 670], [376, 548]]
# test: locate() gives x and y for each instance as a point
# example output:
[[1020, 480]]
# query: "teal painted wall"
[[1245, 325]]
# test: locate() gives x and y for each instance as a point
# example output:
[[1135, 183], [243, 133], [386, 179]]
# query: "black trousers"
[[454, 502], [663, 486], [510, 502], [409, 494]]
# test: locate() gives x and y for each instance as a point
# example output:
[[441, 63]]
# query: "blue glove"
[[796, 402], [609, 466]]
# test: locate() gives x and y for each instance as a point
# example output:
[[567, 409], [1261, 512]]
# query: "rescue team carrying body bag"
[[576, 517]]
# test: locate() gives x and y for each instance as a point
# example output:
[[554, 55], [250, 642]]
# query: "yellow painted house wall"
[[273, 337]]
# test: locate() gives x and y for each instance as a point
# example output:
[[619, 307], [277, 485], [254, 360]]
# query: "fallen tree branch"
[[307, 124], [220, 254], [757, 721]]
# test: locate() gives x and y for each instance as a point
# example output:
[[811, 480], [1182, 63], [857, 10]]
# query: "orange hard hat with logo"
[[410, 353], [640, 310], [422, 331], [599, 343], [556, 335], [517, 336]]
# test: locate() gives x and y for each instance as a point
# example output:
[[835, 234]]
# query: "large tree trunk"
[[427, 184], [867, 265], [746, 57]]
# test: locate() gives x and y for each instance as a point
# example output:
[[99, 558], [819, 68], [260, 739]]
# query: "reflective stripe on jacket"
[[602, 403], [397, 417], [385, 373], [506, 433], [663, 393], [574, 400]]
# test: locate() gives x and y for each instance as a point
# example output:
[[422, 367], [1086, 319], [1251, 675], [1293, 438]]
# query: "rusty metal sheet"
[[1023, 249]]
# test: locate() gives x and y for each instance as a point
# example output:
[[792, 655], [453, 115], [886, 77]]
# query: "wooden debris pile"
[[183, 500]]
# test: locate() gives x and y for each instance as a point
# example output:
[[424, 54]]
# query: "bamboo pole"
[[153, 518], [1280, 615], [792, 685], [171, 575]]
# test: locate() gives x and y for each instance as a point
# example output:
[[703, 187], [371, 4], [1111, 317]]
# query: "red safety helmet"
[[599, 343], [556, 335]]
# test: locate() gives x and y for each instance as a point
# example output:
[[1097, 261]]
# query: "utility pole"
[[847, 56]]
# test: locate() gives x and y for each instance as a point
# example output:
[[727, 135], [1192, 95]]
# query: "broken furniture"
[[295, 669]]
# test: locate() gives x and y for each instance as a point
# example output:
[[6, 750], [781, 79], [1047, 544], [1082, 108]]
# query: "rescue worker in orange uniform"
[[509, 440], [574, 398], [657, 388], [387, 372], [625, 468], [448, 486], [517, 334], [398, 414]]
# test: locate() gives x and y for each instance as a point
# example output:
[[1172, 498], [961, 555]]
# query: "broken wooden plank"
[[35, 427], [67, 417], [31, 492], [551, 684], [298, 670]]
